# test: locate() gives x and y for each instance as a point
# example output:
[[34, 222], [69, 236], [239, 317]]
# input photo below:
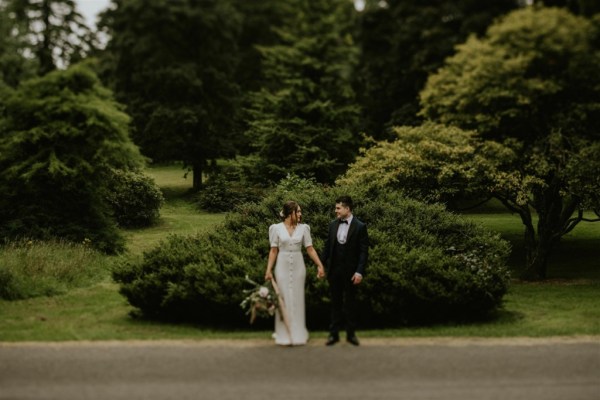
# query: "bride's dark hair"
[[289, 207]]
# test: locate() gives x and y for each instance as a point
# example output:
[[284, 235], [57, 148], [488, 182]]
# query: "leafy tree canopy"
[[430, 162], [529, 85], [401, 43], [14, 66], [532, 73]]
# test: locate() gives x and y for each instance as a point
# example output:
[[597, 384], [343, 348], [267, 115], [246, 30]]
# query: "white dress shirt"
[[342, 233]]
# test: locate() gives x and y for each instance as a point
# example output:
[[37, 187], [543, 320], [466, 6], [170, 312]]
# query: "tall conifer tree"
[[173, 64], [56, 33], [304, 119]]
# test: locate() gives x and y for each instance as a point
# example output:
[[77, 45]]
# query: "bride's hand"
[[268, 276]]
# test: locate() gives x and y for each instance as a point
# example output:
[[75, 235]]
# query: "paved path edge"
[[395, 341]]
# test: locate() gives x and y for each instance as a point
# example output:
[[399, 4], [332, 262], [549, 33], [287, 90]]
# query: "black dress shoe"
[[353, 340], [331, 340]]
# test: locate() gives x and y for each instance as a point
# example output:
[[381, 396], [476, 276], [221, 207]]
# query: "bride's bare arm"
[[271, 263], [312, 253]]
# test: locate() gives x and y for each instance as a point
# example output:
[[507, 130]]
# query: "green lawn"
[[576, 257], [566, 305], [177, 216], [100, 313]]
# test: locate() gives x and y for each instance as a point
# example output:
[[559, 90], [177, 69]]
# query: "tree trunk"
[[538, 245], [197, 170], [550, 225], [45, 51], [536, 260]]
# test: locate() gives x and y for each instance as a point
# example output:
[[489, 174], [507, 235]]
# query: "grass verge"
[[32, 268], [99, 313]]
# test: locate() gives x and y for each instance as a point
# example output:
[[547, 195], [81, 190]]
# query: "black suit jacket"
[[357, 246]]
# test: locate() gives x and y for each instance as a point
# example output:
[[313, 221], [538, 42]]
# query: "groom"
[[345, 258]]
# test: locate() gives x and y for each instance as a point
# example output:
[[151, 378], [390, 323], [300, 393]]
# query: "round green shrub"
[[221, 194], [426, 264], [429, 265], [135, 199]]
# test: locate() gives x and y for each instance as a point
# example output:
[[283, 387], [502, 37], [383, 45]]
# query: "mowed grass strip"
[[100, 313]]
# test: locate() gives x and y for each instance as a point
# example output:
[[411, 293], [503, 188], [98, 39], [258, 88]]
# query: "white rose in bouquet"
[[263, 292]]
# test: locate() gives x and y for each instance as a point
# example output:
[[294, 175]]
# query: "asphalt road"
[[561, 369]]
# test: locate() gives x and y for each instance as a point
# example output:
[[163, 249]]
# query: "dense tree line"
[[291, 84]]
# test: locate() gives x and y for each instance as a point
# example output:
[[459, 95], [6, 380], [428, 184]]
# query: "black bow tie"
[[343, 221]]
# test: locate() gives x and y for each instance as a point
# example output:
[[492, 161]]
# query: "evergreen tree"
[[14, 66], [304, 119], [55, 31], [260, 21], [60, 137], [173, 64]]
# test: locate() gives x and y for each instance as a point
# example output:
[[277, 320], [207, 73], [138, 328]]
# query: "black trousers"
[[343, 302]]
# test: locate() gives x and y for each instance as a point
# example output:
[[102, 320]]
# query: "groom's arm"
[[363, 252], [325, 253]]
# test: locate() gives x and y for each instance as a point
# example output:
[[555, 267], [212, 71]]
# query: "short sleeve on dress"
[[273, 236], [306, 238]]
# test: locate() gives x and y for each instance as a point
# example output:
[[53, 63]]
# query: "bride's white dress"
[[290, 274]]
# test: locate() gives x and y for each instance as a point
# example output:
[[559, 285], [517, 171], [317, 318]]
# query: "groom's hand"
[[356, 278], [320, 272]]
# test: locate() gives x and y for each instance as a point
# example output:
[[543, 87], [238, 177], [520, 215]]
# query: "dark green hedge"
[[426, 264]]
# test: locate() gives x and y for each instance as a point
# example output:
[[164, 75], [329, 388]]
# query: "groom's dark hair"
[[345, 200]]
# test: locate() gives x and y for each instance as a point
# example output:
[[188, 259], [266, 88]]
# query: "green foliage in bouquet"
[[426, 264]]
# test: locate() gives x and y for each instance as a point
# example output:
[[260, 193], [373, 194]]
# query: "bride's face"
[[297, 216]]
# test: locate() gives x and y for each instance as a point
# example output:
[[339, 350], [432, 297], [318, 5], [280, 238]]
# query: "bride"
[[286, 239]]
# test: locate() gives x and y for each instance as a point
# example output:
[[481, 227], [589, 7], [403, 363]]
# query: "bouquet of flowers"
[[261, 301]]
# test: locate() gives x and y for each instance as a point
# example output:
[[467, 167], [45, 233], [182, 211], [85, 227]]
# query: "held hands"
[[320, 272], [356, 278]]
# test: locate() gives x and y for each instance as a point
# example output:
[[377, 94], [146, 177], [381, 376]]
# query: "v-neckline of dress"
[[288, 232]]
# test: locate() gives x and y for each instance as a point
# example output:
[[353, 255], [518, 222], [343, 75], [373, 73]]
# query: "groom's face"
[[342, 211]]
